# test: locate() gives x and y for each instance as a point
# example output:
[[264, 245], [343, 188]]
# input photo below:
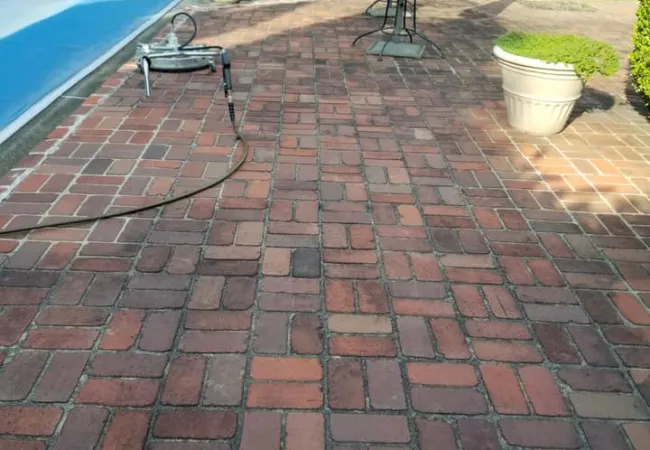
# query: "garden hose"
[[195, 28], [165, 202]]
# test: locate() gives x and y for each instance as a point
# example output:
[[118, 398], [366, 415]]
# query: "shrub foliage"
[[640, 56], [587, 56]]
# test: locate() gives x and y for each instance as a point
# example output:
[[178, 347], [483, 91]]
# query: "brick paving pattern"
[[394, 268]]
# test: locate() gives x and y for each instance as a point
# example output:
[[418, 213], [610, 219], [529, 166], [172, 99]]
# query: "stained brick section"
[[539, 433], [435, 433], [82, 428], [385, 385], [224, 381], [195, 424], [184, 381], [261, 430], [13, 322], [120, 392], [29, 421], [61, 377], [306, 334], [369, 428], [305, 431], [393, 267], [305, 263], [20, 375]]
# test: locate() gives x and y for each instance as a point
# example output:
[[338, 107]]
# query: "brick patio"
[[394, 268]]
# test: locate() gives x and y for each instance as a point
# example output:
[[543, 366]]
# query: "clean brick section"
[[284, 394], [393, 268], [369, 428]]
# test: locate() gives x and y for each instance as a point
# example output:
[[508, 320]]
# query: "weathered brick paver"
[[393, 267]]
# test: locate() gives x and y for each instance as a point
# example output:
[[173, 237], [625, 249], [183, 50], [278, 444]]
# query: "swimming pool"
[[44, 51]]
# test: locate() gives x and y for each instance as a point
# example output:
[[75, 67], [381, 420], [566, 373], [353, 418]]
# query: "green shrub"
[[587, 56], [640, 56]]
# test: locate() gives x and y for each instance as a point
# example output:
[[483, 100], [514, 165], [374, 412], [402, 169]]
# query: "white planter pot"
[[539, 96]]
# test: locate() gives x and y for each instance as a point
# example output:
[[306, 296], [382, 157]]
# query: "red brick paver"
[[393, 268]]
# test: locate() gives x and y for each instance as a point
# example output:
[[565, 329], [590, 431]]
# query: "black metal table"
[[393, 43]]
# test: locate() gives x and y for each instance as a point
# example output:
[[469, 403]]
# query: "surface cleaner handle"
[[145, 70]]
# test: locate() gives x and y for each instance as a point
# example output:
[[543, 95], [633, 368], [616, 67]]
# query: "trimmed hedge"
[[640, 56], [587, 56]]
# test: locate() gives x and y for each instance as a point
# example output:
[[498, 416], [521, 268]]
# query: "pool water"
[[42, 55]]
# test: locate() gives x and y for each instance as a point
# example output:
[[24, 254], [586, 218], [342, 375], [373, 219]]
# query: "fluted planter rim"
[[524, 61]]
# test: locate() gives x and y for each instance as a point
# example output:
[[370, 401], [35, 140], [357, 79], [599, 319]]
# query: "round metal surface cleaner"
[[170, 55], [173, 63]]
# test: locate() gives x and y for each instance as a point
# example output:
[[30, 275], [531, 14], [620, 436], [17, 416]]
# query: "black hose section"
[[204, 47], [231, 112], [169, 201], [194, 32]]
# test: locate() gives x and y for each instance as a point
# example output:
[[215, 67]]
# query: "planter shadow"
[[591, 100]]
